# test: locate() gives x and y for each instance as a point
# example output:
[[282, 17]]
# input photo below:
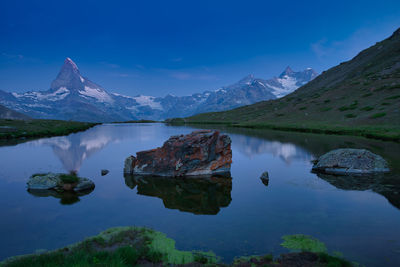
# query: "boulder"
[[57, 182], [104, 172], [347, 161], [203, 152]]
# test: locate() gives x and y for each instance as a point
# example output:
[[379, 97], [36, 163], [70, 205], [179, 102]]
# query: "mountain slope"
[[6, 113], [363, 93], [74, 97]]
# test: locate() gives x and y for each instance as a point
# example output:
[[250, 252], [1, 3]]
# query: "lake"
[[240, 216]]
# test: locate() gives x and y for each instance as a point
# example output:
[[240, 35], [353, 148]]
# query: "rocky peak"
[[246, 80], [288, 71], [68, 63], [68, 77]]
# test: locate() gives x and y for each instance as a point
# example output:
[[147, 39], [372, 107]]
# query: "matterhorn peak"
[[69, 76], [68, 62]]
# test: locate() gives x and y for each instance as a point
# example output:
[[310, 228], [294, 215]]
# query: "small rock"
[[84, 184], [104, 172], [43, 181], [265, 178], [346, 161]]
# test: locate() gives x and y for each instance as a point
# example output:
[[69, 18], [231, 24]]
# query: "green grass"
[[68, 178], [333, 261], [378, 115], [14, 129], [393, 97], [303, 243], [122, 246], [135, 246], [349, 107]]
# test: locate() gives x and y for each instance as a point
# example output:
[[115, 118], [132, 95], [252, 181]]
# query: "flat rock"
[[346, 161], [43, 181], [53, 181], [203, 152]]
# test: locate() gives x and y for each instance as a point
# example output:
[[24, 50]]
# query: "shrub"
[[350, 115], [393, 97], [367, 108], [366, 95], [301, 242], [378, 115], [69, 179]]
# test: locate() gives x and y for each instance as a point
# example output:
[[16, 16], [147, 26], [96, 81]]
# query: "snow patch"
[[144, 100], [82, 80], [61, 93], [96, 93], [289, 85]]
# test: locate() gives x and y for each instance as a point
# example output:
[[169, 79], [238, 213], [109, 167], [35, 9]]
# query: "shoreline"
[[383, 134], [22, 130], [136, 246]]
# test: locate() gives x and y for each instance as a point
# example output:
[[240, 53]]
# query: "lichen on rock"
[[59, 182], [202, 152], [345, 161]]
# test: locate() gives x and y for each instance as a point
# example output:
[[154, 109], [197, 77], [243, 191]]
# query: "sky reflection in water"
[[232, 217]]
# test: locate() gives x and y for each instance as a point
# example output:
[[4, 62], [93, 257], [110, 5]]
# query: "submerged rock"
[[198, 196], [66, 197], [265, 178], [345, 161], [59, 182], [203, 152]]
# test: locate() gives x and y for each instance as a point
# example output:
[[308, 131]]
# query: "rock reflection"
[[204, 195], [66, 197], [388, 185]]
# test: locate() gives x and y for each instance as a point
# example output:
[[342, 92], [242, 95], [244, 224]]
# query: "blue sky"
[[182, 47]]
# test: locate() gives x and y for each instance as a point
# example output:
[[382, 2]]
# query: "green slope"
[[360, 96]]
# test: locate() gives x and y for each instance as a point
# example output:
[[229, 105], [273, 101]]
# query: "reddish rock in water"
[[202, 152]]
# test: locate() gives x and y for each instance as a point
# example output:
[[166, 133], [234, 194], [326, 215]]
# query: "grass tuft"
[[303, 243]]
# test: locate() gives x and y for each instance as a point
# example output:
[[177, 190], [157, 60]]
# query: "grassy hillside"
[[361, 97], [17, 129]]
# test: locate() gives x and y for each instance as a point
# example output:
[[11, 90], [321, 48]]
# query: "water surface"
[[238, 216]]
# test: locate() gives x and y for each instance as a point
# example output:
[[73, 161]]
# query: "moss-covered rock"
[[59, 182]]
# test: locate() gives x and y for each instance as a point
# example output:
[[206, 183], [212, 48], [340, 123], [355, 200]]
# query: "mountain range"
[[74, 97], [360, 96]]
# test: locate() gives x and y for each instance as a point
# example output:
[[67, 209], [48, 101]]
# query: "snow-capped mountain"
[[74, 97]]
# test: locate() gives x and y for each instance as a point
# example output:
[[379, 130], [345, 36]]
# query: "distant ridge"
[[6, 113]]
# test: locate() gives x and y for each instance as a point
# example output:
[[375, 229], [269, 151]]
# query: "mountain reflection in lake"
[[238, 216], [201, 195]]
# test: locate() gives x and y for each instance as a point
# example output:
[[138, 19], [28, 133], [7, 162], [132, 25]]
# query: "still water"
[[241, 216]]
